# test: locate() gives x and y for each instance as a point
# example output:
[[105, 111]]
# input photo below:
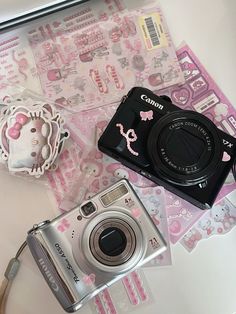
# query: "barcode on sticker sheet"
[[152, 31]]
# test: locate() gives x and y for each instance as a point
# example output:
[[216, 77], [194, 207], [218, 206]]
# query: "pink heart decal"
[[175, 227], [226, 157], [180, 96]]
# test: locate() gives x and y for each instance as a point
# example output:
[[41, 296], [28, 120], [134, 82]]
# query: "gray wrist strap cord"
[[9, 275]]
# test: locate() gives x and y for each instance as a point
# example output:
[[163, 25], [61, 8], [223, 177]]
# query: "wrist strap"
[[9, 275]]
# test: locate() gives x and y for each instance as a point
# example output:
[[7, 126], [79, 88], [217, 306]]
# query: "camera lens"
[[184, 147], [88, 209], [112, 241]]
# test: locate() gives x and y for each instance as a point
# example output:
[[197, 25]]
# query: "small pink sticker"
[[63, 226], [89, 279], [146, 115], [130, 291], [139, 286], [226, 157], [136, 212]]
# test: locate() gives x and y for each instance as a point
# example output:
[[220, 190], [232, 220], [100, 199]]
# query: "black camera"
[[181, 150]]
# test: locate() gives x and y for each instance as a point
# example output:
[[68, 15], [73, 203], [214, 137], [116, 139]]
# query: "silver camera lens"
[[112, 242]]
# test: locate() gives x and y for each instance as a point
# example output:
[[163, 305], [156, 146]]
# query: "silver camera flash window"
[[113, 195]]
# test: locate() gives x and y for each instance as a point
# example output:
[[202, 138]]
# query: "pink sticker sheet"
[[17, 64], [217, 221], [124, 296], [199, 93], [92, 57], [154, 200]]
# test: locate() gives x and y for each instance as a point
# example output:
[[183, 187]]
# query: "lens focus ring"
[[184, 147]]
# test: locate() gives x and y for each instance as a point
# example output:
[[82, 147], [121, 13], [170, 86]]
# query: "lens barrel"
[[185, 148]]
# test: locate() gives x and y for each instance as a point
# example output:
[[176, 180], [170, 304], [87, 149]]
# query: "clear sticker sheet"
[[93, 55], [124, 296], [219, 220], [17, 64]]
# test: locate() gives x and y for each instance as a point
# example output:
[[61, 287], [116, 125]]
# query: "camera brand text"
[[49, 275], [151, 102]]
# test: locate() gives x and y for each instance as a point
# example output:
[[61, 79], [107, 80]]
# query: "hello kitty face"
[[29, 146], [219, 212], [92, 167], [221, 110], [205, 224], [121, 172], [153, 211]]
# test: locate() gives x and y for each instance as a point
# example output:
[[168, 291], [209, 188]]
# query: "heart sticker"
[[226, 157], [175, 227], [180, 96]]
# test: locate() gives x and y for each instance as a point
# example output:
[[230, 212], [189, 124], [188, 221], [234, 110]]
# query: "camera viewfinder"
[[88, 209]]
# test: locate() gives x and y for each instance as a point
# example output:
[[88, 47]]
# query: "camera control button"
[[202, 185]]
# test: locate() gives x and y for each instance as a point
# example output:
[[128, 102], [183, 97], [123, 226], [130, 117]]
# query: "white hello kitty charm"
[[31, 137]]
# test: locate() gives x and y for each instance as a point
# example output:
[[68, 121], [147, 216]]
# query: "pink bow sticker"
[[146, 115], [136, 212], [14, 132], [89, 279], [63, 226]]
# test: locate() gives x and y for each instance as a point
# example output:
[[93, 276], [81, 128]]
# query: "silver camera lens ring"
[[140, 245], [113, 224]]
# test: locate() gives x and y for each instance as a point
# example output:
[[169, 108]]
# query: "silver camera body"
[[84, 251]]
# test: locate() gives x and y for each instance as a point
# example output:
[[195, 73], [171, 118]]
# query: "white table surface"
[[203, 282]]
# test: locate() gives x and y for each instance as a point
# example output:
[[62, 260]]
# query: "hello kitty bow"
[[14, 131]]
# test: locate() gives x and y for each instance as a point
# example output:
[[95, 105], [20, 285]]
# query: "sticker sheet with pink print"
[[94, 55], [217, 221], [17, 64], [199, 93], [124, 296], [154, 200]]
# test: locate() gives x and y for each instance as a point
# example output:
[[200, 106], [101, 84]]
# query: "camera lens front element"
[[184, 147], [112, 242]]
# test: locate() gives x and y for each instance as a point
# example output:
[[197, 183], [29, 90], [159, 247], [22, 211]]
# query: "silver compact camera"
[[84, 251]]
